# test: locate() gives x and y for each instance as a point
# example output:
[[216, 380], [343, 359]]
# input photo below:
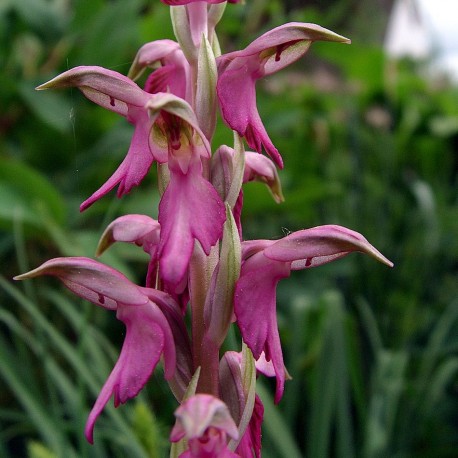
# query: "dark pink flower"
[[190, 208], [148, 334], [265, 263], [166, 130], [239, 71]]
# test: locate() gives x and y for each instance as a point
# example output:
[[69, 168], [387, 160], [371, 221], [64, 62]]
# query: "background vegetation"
[[367, 143]]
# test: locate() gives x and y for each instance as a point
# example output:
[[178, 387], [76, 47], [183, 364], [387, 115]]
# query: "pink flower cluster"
[[199, 264]]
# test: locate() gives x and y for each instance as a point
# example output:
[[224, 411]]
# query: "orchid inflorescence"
[[199, 265]]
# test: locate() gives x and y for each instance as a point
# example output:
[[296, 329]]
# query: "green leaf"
[[148, 431], [27, 196], [42, 15], [38, 450], [52, 108], [276, 428]]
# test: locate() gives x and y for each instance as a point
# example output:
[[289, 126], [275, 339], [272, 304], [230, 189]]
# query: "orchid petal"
[[261, 168], [121, 95], [255, 297], [107, 88], [200, 412], [320, 245], [149, 54], [180, 379], [92, 281], [133, 168], [190, 209], [147, 337], [173, 74], [139, 229], [176, 106], [250, 444]]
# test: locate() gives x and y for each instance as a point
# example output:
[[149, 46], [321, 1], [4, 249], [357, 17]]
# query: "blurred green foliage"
[[367, 143]]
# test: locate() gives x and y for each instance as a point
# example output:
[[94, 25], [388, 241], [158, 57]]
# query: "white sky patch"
[[441, 17]]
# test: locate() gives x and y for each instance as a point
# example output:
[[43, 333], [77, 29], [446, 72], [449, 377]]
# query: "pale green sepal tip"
[[182, 32], [239, 168]]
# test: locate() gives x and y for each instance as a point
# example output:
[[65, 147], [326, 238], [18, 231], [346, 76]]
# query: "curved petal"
[[250, 444], [92, 281], [132, 169], [147, 337], [190, 210], [107, 88], [179, 382], [139, 229], [237, 97], [320, 245], [176, 106], [255, 309], [149, 54], [261, 168], [173, 74]]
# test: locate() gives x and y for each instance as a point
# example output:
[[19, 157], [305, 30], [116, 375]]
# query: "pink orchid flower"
[[148, 333], [265, 263], [190, 208], [166, 129], [206, 423], [239, 71]]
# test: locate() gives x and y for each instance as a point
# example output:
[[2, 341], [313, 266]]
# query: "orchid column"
[[199, 265]]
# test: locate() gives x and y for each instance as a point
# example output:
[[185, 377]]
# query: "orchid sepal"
[[107, 88], [149, 54], [320, 245]]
